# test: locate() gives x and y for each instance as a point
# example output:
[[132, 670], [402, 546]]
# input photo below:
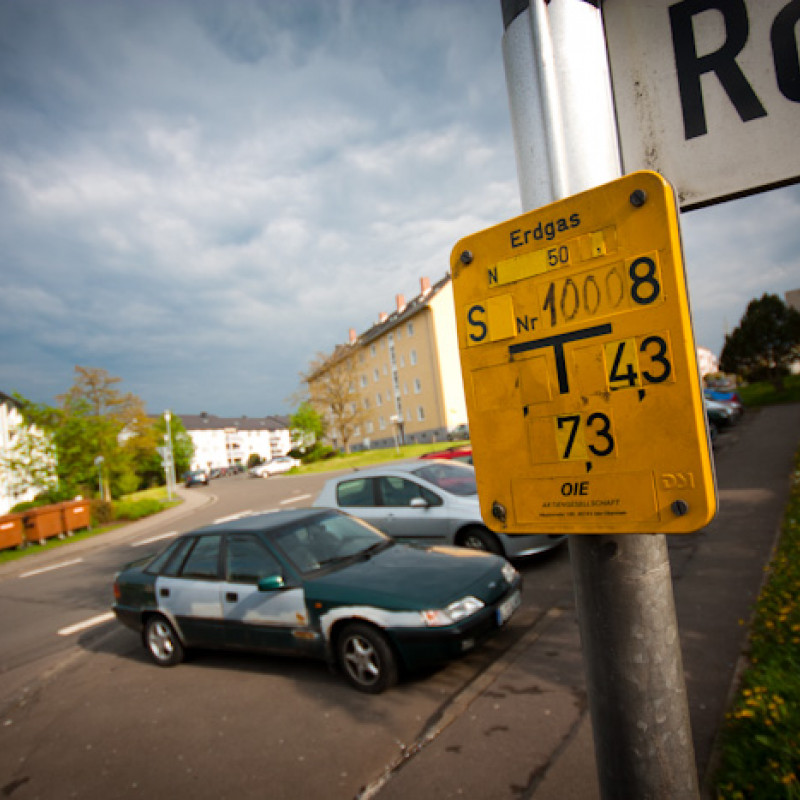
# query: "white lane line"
[[154, 539], [87, 623], [50, 568], [233, 517], [295, 499]]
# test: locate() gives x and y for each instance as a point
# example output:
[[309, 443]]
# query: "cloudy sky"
[[199, 196]]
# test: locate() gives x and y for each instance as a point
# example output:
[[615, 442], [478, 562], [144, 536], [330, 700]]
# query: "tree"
[[766, 341], [95, 425], [309, 423], [150, 468], [333, 389]]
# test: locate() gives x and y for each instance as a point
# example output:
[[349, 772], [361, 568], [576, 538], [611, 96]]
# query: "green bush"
[[136, 509], [319, 452], [102, 512]]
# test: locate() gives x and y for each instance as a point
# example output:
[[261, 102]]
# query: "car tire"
[[476, 538], [161, 642], [366, 658]]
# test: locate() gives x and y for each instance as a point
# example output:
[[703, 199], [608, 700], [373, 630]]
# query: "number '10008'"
[[587, 294]]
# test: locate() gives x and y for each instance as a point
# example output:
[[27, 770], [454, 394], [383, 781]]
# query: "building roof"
[[211, 422], [8, 400], [385, 324], [414, 306]]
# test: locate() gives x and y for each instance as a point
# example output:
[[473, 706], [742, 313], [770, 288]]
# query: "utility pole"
[[169, 458], [566, 142]]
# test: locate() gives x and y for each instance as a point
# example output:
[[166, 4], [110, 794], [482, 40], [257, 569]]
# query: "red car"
[[461, 453]]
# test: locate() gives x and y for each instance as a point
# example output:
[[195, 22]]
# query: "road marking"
[[233, 517], [295, 499], [50, 568], [154, 539], [87, 623]]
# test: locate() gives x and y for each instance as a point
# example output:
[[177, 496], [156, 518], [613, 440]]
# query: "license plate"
[[508, 607]]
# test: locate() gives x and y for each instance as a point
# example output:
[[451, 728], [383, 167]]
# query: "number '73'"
[[577, 436]]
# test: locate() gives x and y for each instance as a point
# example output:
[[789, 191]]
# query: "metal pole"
[[170, 466], [99, 463], [561, 103]]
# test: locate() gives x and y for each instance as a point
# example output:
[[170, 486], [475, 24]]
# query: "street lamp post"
[[169, 460], [99, 464]]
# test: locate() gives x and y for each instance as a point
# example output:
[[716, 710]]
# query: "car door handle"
[[231, 597], [163, 592]]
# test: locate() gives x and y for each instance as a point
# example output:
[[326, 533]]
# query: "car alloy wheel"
[[366, 658], [162, 642]]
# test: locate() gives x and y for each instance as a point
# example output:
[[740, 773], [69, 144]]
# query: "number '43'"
[[630, 363]]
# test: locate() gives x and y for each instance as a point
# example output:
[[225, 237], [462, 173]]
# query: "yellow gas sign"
[[584, 400]]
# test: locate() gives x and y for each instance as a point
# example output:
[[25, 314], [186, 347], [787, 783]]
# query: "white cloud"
[[198, 196]]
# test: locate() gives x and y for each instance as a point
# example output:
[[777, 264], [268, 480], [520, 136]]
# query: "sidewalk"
[[524, 731]]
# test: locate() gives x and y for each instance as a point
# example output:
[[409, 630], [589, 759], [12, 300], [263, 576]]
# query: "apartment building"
[[225, 441], [404, 374]]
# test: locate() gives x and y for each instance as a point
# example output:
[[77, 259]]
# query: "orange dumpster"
[[76, 514], [43, 523], [11, 526]]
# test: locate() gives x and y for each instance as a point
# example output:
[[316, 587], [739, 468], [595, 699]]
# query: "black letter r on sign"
[[691, 66]]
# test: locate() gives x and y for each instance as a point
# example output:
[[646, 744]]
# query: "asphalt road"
[[86, 714], [84, 709]]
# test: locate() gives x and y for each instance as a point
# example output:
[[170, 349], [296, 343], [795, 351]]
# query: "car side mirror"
[[418, 502], [272, 583]]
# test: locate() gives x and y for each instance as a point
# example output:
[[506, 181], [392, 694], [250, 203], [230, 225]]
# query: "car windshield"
[[330, 540], [454, 478]]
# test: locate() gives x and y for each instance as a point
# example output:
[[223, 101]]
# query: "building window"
[[405, 388], [402, 361], [376, 376], [383, 424], [420, 413], [366, 404], [372, 350], [385, 370], [412, 358], [378, 399], [370, 427], [364, 380], [410, 328], [417, 385]]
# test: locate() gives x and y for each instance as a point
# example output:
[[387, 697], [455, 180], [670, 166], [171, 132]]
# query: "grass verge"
[[129, 508], [760, 739], [368, 458], [764, 393]]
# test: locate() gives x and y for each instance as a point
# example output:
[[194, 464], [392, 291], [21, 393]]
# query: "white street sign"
[[707, 93]]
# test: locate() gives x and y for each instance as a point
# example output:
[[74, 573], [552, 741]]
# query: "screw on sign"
[[579, 367]]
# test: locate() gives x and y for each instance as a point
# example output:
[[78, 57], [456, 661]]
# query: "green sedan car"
[[318, 583]]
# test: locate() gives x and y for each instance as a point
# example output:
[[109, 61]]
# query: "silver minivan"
[[426, 502]]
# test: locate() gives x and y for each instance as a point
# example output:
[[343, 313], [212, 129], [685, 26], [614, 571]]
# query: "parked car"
[[731, 399], [458, 453], [316, 583], [277, 465], [720, 415], [459, 433], [427, 502], [195, 477]]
